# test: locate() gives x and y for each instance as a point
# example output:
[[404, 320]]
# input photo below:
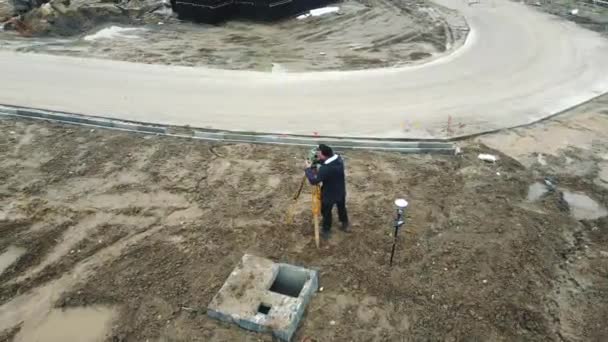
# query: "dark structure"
[[215, 11]]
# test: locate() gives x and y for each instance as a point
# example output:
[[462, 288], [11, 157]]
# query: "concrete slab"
[[264, 296]]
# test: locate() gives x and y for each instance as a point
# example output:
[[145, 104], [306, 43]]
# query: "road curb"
[[388, 145], [81, 120]]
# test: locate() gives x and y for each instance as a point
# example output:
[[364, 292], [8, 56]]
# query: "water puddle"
[[88, 324], [278, 68], [603, 174], [11, 255], [114, 32], [536, 191], [34, 308], [582, 207]]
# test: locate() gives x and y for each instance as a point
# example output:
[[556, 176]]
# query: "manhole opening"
[[264, 309], [289, 281]]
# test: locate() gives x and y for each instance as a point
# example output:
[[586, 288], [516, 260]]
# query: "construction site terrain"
[[127, 237]]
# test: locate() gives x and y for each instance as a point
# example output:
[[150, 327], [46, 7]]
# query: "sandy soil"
[[137, 233], [363, 34]]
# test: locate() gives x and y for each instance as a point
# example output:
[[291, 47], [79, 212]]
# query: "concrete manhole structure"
[[264, 296]]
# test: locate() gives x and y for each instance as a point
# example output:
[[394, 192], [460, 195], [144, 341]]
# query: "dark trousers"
[[326, 208]]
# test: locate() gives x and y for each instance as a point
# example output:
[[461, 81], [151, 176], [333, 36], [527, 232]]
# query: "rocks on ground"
[[68, 17], [6, 10]]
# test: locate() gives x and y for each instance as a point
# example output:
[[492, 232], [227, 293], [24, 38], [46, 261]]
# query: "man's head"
[[324, 152]]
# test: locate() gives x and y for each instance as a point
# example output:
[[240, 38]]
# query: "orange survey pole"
[[316, 210], [292, 207]]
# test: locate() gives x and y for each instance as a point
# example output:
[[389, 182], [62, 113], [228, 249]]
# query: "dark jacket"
[[331, 174]]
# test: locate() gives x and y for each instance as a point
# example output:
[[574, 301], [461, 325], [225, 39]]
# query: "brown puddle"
[[87, 324], [536, 191], [582, 207]]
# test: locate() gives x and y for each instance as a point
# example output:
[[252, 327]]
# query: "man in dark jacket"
[[333, 191]]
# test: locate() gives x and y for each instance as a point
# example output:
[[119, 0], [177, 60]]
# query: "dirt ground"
[[363, 34], [127, 237], [589, 15]]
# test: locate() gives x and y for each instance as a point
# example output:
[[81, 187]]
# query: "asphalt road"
[[517, 66]]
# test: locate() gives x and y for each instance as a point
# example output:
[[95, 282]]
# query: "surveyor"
[[333, 190]]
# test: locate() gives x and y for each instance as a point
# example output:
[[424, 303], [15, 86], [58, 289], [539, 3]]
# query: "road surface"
[[517, 66]]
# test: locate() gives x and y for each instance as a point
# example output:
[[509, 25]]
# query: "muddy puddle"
[[603, 174], [582, 207], [536, 191], [10, 256], [89, 324]]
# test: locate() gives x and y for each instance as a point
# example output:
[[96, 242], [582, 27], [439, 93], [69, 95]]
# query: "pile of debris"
[[6, 10], [69, 17]]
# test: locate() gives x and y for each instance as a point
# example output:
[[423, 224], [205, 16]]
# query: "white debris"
[[574, 11], [12, 132], [278, 68], [325, 10], [541, 159], [165, 11], [485, 281], [498, 173], [46, 9], [321, 289], [114, 32], [322, 53], [488, 157], [319, 12], [332, 323]]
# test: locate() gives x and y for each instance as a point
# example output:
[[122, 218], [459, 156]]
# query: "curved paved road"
[[517, 66]]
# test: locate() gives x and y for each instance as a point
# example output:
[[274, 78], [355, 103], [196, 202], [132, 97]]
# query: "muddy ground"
[[127, 237], [363, 34], [589, 14]]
